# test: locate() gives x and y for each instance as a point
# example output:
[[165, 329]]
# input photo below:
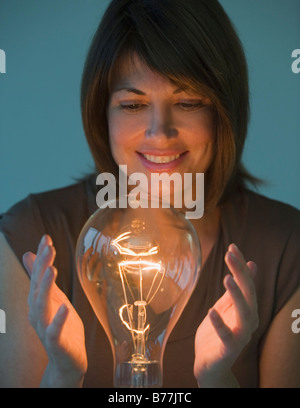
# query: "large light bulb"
[[138, 268]]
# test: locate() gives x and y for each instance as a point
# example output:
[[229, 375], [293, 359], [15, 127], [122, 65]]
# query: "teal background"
[[42, 144]]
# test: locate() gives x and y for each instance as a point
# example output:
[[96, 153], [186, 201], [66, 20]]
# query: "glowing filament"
[[127, 325], [136, 266]]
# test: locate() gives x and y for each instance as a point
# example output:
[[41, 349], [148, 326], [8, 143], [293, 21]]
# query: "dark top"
[[266, 231]]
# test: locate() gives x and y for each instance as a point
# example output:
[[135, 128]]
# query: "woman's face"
[[154, 126]]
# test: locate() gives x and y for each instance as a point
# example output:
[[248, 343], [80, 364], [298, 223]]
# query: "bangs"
[[154, 36]]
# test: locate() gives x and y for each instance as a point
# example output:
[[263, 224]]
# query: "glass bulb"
[[138, 268]]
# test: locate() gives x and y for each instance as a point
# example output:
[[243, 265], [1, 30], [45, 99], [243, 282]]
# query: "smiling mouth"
[[161, 159]]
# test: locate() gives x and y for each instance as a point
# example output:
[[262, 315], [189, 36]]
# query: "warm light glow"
[[124, 250], [137, 266], [127, 325]]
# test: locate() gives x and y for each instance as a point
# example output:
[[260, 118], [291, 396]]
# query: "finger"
[[42, 252], [28, 260], [236, 251], [42, 261], [43, 300], [252, 268], [45, 240], [29, 257], [241, 307], [223, 331], [241, 274], [55, 328]]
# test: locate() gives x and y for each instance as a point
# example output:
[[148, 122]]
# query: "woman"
[[164, 89]]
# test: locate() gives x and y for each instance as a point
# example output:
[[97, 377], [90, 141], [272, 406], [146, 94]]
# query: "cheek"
[[202, 137], [124, 134], [116, 146], [122, 141], [116, 137], [203, 141], [207, 125]]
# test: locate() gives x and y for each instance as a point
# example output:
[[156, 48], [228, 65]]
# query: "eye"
[[191, 106], [132, 107]]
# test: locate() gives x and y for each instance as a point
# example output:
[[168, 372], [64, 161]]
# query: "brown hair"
[[191, 42]]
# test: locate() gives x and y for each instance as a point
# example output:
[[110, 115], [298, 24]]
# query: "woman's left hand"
[[228, 326]]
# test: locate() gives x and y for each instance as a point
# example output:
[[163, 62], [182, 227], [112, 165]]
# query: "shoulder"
[[64, 198], [38, 207], [249, 214], [56, 212], [277, 221], [272, 210], [266, 230]]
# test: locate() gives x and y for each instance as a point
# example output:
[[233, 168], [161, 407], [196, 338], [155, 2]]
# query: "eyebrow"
[[139, 92], [129, 89]]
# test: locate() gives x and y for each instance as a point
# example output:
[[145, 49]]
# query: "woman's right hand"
[[56, 322]]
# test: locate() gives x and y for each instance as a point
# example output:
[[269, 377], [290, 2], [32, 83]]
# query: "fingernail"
[[232, 256], [46, 250], [24, 258], [48, 274], [25, 255], [41, 243], [233, 246], [253, 268], [232, 282]]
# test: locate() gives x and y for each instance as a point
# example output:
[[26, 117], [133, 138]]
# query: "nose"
[[161, 124]]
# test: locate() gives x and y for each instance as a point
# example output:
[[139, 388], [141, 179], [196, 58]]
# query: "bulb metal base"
[[138, 374]]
